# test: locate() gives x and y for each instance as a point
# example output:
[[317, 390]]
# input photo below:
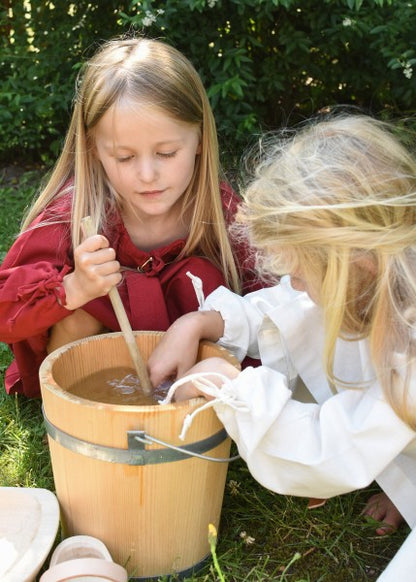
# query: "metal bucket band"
[[135, 454]]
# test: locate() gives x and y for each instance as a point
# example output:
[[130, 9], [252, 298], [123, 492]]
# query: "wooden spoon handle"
[[124, 324]]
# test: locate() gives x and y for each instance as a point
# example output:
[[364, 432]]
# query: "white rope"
[[198, 288], [201, 380]]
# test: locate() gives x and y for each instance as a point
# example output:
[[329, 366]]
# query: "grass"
[[263, 536]]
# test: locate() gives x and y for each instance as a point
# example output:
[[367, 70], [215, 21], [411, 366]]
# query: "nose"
[[146, 169]]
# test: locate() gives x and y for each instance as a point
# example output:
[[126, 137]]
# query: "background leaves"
[[265, 63]]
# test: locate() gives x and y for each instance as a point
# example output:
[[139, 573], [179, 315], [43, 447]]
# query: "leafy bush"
[[42, 46], [272, 62], [264, 62]]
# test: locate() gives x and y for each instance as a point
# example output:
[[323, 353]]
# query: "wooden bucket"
[[149, 504]]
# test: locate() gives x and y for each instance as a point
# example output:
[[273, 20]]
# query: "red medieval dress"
[[155, 289]]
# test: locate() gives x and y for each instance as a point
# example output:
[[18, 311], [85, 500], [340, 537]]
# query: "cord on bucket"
[[202, 381]]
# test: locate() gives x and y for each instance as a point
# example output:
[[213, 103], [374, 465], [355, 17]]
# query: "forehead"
[[127, 119]]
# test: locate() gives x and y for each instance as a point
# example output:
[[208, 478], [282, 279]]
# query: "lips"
[[151, 193]]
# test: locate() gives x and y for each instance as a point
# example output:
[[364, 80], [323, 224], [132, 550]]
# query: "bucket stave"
[[150, 505]]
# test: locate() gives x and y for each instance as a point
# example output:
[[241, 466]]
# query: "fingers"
[[95, 273], [174, 355], [215, 364], [170, 367], [94, 251], [96, 262], [158, 375], [170, 364]]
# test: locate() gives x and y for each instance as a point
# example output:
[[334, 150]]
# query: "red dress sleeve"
[[32, 299], [32, 296]]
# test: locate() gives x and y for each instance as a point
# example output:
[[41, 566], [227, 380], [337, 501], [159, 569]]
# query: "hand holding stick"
[[124, 324]]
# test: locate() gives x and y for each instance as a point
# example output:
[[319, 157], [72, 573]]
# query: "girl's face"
[[288, 263], [149, 159], [299, 283], [307, 280]]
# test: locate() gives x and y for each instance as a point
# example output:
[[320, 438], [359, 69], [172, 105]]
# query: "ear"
[[199, 149]]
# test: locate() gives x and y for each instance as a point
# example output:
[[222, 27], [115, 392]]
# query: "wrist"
[[211, 325], [72, 296], [201, 325]]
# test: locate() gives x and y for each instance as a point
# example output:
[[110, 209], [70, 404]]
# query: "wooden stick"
[[124, 324]]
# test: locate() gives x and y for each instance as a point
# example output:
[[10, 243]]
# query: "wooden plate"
[[29, 520]]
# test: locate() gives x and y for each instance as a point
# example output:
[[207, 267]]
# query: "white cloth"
[[341, 441], [402, 567]]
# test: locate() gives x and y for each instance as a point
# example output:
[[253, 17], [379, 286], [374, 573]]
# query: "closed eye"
[[125, 159], [167, 154]]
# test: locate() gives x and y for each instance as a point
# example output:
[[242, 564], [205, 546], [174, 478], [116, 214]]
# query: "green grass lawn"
[[263, 536]]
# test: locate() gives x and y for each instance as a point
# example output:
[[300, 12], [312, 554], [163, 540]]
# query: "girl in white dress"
[[332, 212]]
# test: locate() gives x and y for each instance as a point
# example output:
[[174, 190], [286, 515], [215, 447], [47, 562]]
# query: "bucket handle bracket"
[[136, 440]]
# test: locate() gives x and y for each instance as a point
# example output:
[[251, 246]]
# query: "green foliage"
[[265, 63], [16, 193], [24, 455], [42, 45]]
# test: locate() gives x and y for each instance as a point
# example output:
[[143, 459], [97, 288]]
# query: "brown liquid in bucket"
[[117, 386], [150, 505]]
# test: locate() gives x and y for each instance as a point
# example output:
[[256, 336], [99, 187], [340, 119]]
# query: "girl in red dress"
[[141, 158]]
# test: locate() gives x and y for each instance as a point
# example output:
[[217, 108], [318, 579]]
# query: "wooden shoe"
[[83, 559]]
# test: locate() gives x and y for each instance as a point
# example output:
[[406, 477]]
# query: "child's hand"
[[96, 272], [176, 352], [219, 365], [178, 349]]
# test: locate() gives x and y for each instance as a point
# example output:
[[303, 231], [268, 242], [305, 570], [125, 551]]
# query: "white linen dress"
[[338, 442]]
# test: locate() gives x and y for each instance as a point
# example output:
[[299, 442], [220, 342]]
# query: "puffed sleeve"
[[304, 449], [243, 317], [32, 296], [313, 450]]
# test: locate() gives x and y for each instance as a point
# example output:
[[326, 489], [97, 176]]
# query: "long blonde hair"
[[153, 72], [337, 200]]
